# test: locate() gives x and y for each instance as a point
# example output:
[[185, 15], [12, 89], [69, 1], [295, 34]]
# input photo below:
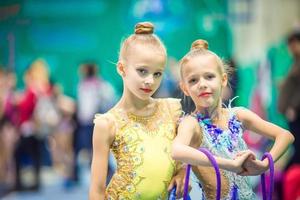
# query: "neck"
[[212, 112]]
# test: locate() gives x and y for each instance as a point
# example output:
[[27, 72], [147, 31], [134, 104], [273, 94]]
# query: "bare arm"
[[188, 131], [282, 137], [103, 136]]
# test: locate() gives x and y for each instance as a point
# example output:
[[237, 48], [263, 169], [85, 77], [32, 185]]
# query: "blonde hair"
[[143, 34], [200, 47], [39, 71]]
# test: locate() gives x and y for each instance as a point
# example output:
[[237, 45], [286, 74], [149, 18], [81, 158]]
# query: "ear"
[[121, 69], [183, 88], [224, 80]]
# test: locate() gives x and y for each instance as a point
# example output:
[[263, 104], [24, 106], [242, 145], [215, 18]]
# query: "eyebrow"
[[190, 76], [145, 66]]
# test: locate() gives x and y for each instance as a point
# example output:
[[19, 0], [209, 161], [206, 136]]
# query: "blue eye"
[[142, 71], [191, 81], [210, 76], [157, 74]]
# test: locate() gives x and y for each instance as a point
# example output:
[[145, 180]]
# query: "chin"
[[206, 104], [144, 96]]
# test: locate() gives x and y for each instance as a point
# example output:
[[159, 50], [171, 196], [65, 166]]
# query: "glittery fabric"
[[142, 148], [224, 143]]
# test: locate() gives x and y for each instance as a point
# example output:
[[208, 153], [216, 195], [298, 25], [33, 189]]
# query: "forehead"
[[147, 55], [200, 64]]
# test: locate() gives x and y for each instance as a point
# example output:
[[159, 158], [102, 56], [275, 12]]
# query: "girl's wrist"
[[232, 165]]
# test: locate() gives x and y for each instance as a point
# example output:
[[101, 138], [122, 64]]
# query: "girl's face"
[[203, 81], [142, 71]]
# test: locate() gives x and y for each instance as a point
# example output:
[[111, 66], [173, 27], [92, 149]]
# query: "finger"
[[242, 170], [240, 153], [247, 163], [179, 188], [182, 189], [249, 155], [245, 152], [243, 158], [171, 185], [252, 157]]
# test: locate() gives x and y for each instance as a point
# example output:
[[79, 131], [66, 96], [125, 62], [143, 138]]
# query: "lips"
[[205, 94], [146, 90]]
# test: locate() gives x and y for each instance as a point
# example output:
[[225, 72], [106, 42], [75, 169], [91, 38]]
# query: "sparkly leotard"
[[224, 143], [142, 147]]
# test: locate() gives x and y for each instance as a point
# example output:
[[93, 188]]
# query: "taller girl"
[[138, 129]]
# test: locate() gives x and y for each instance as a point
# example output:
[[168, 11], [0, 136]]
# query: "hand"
[[240, 159], [178, 181], [254, 167]]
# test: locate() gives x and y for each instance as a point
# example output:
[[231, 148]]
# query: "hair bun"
[[199, 44], [144, 28]]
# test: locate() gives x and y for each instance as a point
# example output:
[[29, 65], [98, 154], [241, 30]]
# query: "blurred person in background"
[[95, 95], [230, 90], [61, 138], [2, 80], [289, 105], [1, 118], [28, 142], [36, 80], [8, 131]]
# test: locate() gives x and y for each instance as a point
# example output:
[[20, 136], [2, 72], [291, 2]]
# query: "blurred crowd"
[[40, 125]]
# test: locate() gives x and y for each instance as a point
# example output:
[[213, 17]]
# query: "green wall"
[[66, 33]]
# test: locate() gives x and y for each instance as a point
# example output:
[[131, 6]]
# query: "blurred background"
[[52, 51]]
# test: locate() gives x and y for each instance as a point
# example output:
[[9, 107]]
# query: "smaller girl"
[[220, 130]]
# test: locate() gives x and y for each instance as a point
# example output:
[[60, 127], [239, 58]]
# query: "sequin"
[[226, 143], [139, 141]]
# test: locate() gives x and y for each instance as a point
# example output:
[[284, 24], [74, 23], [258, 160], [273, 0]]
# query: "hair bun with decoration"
[[199, 44], [144, 28]]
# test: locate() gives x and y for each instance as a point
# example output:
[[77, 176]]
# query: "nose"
[[202, 84], [149, 80]]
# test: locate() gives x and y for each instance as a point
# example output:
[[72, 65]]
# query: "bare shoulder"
[[246, 116], [190, 129], [189, 120], [243, 113], [104, 127], [173, 105], [104, 120], [190, 124]]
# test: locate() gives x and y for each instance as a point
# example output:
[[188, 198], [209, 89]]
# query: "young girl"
[[219, 129], [138, 129]]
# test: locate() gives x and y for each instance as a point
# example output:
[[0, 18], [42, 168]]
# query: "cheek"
[[193, 91], [131, 80], [133, 77], [157, 81]]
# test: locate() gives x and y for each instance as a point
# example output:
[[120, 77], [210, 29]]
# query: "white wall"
[[270, 21]]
